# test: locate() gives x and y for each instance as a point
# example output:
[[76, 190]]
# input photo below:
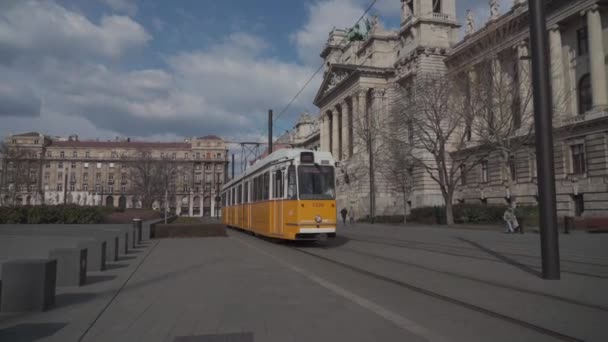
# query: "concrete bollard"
[[71, 266], [28, 285], [112, 247], [96, 255], [137, 224]]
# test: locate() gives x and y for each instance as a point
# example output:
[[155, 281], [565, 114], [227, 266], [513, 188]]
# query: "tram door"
[[278, 191]]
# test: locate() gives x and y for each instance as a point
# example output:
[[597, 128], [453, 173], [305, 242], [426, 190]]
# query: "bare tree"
[[151, 179], [435, 113], [500, 98], [370, 129], [20, 173], [398, 169]]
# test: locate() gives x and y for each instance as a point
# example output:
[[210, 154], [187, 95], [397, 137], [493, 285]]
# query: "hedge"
[[472, 213], [66, 214]]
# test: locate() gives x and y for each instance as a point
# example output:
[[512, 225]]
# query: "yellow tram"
[[288, 195]]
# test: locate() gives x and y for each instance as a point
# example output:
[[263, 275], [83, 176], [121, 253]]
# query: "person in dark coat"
[[343, 213]]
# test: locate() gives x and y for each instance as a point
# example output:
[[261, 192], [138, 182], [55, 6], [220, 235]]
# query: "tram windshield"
[[316, 182]]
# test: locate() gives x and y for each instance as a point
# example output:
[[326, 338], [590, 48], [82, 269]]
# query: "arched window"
[[585, 97]]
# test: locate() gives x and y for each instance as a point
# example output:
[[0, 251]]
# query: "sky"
[[163, 70]]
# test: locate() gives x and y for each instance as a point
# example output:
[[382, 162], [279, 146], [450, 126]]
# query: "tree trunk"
[[449, 212], [404, 207]]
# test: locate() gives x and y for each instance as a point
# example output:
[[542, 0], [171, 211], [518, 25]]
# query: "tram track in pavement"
[[445, 245], [464, 255], [479, 309]]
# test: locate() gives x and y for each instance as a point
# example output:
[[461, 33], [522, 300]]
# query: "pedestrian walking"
[[351, 216], [508, 217], [343, 212]]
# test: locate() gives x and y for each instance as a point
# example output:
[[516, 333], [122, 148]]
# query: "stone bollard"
[[96, 255], [28, 285], [137, 225], [71, 266]]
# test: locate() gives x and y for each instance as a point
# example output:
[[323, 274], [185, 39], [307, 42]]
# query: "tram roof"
[[286, 153]]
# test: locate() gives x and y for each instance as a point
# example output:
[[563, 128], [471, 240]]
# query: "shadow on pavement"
[[29, 332], [237, 337], [93, 279], [115, 266], [503, 258], [338, 241], [67, 299]]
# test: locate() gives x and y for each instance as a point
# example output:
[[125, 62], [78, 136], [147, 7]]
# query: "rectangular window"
[[72, 187], [47, 176], [186, 155], [49, 154], [266, 186], [112, 165], [239, 194], [246, 198], [59, 186], [62, 154], [114, 154], [579, 163], [512, 168], [207, 167], [291, 183], [85, 177], [198, 155], [99, 165], [278, 185], [316, 182], [463, 174], [110, 176], [85, 187], [582, 41], [110, 188], [97, 188], [87, 154], [73, 165], [60, 176], [47, 165], [484, 171], [60, 165], [75, 154], [123, 176], [123, 189], [174, 155], [98, 176], [86, 165]]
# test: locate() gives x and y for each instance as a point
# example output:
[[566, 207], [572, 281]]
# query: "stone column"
[[596, 56], [323, 132], [557, 72], [335, 127], [213, 203], [359, 121], [525, 81], [178, 206], [191, 205], [345, 130]]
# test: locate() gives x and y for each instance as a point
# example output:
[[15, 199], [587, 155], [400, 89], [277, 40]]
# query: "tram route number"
[[318, 205]]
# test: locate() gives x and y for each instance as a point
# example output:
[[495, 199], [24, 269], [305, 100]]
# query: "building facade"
[[363, 76], [305, 134], [38, 169]]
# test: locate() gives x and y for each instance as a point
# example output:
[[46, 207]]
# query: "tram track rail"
[[433, 294], [464, 255]]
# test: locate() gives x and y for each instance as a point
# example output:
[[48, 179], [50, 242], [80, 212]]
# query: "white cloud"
[[32, 29], [123, 6], [322, 17]]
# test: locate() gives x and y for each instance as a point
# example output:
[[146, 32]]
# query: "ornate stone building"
[[40, 169], [305, 134], [362, 77]]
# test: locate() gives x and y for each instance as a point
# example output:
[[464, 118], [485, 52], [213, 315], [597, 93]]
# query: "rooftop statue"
[[470, 22], [356, 33]]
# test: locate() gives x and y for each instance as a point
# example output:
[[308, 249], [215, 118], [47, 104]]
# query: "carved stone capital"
[[592, 8], [378, 93]]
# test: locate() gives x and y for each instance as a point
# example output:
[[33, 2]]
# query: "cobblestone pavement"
[[372, 283]]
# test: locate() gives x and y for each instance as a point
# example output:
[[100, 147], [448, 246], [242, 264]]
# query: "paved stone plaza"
[[373, 283]]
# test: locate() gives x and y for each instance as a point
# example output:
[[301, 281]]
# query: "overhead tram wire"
[[322, 65]]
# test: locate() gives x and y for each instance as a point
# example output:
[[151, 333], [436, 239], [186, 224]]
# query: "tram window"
[[291, 183], [239, 194], [255, 189], [246, 198], [266, 186], [278, 184], [316, 182]]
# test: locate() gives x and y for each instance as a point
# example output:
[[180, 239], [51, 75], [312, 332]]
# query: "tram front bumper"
[[316, 233]]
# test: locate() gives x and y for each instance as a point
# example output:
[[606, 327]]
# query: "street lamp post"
[[543, 113]]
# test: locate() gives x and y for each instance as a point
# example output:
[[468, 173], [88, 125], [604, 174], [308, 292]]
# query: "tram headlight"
[[318, 219]]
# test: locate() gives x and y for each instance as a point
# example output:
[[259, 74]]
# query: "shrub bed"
[[473, 213], [61, 214]]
